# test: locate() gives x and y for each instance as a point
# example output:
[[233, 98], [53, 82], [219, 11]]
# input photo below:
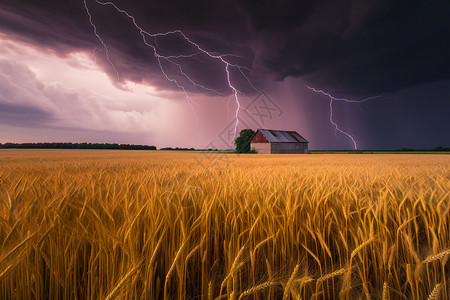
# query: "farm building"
[[267, 141]]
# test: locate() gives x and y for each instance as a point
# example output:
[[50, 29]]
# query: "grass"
[[100, 224]]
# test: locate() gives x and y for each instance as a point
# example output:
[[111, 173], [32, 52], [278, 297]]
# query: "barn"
[[267, 141]]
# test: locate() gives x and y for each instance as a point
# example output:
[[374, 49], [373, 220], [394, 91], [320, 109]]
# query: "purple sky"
[[56, 83]]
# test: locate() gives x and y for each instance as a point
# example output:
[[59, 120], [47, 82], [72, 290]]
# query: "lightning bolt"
[[170, 59], [101, 41], [332, 99]]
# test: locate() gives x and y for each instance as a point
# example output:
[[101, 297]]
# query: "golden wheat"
[[170, 225]]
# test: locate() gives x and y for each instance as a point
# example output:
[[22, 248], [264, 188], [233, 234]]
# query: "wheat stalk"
[[234, 266], [366, 291], [287, 288], [122, 282], [210, 291]]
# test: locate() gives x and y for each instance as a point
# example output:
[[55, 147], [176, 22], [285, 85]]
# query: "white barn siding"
[[260, 148]]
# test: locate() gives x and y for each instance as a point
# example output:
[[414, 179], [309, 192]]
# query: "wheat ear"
[[435, 293], [438, 256], [288, 287], [331, 275], [385, 291], [256, 288]]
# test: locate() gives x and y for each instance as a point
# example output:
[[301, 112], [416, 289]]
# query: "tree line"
[[178, 149], [75, 146]]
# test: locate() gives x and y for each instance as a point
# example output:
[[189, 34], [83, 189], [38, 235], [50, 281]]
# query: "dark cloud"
[[24, 116], [65, 27], [362, 46], [21, 101], [357, 47]]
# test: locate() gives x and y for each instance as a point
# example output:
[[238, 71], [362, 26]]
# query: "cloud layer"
[[54, 74], [69, 93], [363, 46]]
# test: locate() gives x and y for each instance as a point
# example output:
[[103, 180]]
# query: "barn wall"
[[291, 148], [259, 138], [260, 148]]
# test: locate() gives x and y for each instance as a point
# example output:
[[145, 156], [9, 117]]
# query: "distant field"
[[105, 224]]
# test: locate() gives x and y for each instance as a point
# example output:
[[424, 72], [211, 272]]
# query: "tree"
[[243, 141]]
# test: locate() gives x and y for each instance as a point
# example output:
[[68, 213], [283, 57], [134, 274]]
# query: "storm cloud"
[[365, 47]]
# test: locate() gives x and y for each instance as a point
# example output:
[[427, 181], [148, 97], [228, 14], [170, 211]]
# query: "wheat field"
[[94, 224]]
